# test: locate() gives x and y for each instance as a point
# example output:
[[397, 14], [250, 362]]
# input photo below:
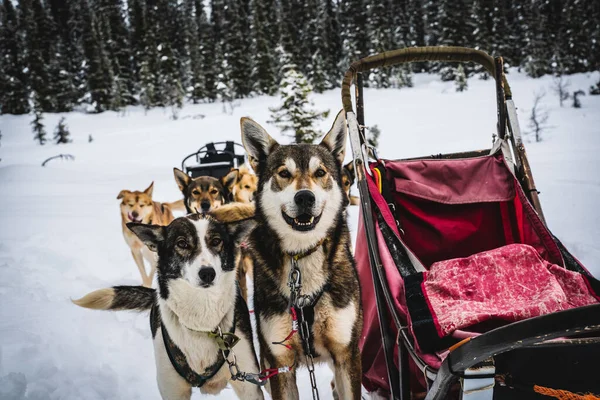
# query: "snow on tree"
[[382, 39], [237, 44], [354, 30], [265, 34], [460, 79], [39, 131], [62, 134], [295, 114], [454, 19], [13, 93]]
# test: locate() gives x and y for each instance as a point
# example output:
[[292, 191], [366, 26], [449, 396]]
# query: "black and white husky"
[[300, 214], [197, 295]]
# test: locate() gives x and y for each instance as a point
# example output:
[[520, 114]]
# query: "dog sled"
[[214, 159], [466, 293]]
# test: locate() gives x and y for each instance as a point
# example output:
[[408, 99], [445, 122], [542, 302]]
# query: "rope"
[[563, 394]]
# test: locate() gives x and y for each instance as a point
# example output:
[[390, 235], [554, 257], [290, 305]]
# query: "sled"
[[465, 291], [214, 159]]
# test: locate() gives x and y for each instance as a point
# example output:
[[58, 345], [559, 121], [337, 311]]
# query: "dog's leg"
[[241, 275], [347, 371], [152, 259], [170, 384], [139, 260], [282, 386]]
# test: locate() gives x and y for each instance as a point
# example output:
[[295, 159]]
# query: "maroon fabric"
[[510, 283], [448, 209]]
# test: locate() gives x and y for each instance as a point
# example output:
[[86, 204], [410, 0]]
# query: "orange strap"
[[564, 394]]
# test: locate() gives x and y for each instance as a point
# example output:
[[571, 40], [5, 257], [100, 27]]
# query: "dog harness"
[[178, 359]]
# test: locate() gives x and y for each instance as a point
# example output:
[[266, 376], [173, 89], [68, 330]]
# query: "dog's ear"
[[122, 194], [351, 173], [257, 142], [238, 219], [182, 179], [230, 179], [150, 235], [150, 189], [335, 140]]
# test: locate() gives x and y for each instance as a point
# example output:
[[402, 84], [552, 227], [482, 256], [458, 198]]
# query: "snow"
[[61, 234]]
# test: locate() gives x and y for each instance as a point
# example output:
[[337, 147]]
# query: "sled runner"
[[213, 161], [466, 293]]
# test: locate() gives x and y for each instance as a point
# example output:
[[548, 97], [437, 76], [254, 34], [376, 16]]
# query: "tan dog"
[[241, 185], [201, 194], [139, 207], [348, 178]]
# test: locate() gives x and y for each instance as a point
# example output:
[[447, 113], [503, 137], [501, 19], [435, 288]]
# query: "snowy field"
[[60, 234]]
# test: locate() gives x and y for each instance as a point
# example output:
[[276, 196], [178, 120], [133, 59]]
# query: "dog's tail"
[[138, 298], [178, 205]]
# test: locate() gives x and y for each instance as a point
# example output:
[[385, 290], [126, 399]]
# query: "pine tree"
[[355, 33], [382, 38], [454, 18], [295, 113], [62, 134], [265, 35], [99, 71], [208, 42], [39, 130], [195, 85], [330, 42], [13, 93], [236, 45], [460, 79]]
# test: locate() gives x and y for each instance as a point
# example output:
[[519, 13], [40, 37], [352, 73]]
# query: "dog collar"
[[179, 360], [302, 254]]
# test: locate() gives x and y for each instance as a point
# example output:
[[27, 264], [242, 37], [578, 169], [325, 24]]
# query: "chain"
[[226, 345], [299, 302]]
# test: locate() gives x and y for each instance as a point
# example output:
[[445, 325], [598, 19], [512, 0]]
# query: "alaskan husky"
[[197, 297], [201, 194], [138, 207], [300, 213]]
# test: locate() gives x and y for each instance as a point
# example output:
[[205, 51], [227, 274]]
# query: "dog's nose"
[[135, 214], [304, 199], [207, 274], [205, 206]]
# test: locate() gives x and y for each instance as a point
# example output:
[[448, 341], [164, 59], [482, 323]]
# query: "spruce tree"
[[454, 18], [460, 79], [382, 38], [62, 134], [195, 85], [265, 35], [355, 33], [295, 114], [236, 44], [208, 41], [14, 93], [39, 131]]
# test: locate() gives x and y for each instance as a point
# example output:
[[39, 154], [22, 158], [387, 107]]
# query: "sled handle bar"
[[417, 54]]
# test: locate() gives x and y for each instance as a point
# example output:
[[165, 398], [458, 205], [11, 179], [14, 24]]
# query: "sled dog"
[[241, 185], [197, 297], [201, 194], [139, 207], [348, 178], [301, 222]]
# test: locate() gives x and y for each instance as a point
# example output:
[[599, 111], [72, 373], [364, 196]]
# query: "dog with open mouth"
[[197, 306], [303, 267], [139, 207]]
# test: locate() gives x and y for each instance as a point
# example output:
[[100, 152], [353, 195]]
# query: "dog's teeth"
[[311, 220]]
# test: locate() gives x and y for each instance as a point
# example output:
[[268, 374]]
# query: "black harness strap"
[[179, 361]]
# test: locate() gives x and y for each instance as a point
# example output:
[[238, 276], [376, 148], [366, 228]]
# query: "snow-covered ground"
[[60, 233]]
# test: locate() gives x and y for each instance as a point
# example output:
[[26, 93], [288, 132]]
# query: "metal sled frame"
[[214, 162], [510, 337]]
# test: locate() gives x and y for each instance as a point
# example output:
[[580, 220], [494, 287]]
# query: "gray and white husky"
[[300, 213], [197, 294]]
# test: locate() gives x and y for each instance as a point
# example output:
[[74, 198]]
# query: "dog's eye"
[[195, 192], [214, 191], [214, 242], [347, 183], [285, 174], [182, 244], [320, 173], [247, 186]]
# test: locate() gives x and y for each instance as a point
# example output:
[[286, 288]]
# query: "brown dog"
[[348, 178], [139, 207], [201, 194], [241, 185]]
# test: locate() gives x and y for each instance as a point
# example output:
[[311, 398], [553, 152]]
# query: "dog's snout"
[[207, 274], [135, 214], [205, 205], [304, 199]]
